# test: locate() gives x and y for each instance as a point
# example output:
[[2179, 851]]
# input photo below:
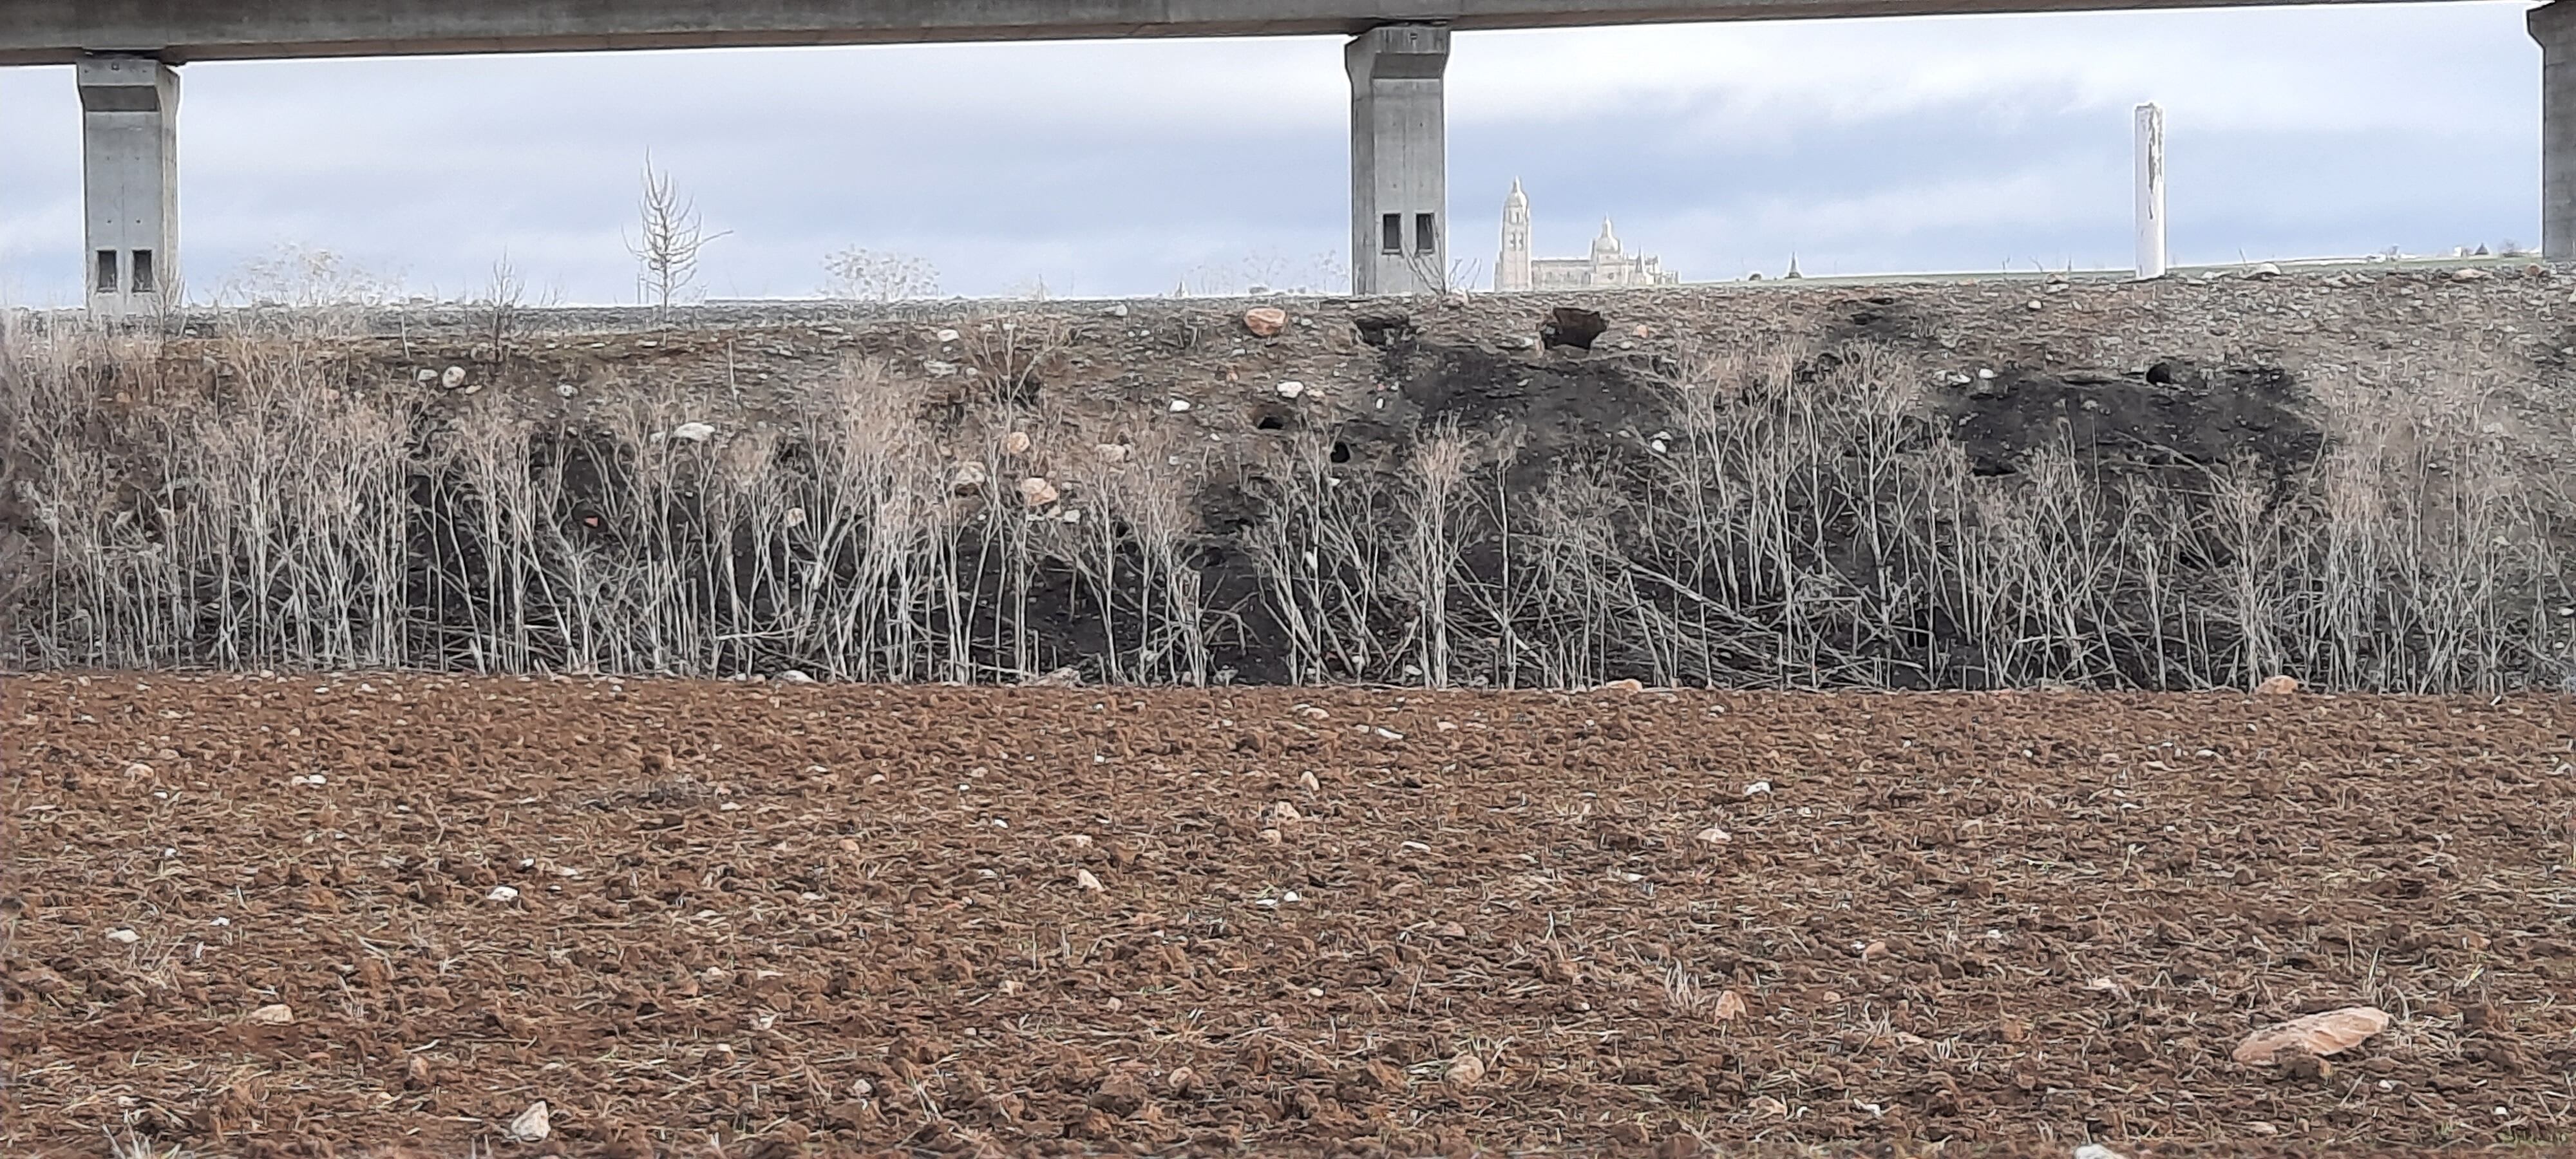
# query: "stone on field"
[[532, 1125], [273, 1014], [1035, 491], [1265, 321], [2330, 1032], [1084, 878], [1465, 1071], [452, 377], [2277, 686], [1015, 443], [502, 893]]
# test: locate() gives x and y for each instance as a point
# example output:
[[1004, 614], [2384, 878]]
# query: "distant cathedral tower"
[[1512, 272], [1608, 265]]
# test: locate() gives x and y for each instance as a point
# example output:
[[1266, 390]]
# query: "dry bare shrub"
[[1799, 518]]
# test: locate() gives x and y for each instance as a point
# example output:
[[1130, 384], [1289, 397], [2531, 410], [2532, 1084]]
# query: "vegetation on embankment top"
[[2349, 478]]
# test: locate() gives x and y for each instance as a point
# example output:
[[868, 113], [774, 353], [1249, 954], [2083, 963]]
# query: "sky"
[[1135, 167]]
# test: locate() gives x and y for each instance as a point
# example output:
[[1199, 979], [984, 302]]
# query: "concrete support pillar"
[[2554, 26], [2151, 191], [1399, 160], [130, 182]]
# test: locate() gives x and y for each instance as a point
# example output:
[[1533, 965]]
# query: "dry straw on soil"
[[1809, 521]]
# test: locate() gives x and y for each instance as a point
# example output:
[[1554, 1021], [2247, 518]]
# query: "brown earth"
[[765, 919]]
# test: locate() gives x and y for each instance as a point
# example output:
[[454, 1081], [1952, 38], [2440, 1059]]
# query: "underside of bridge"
[[1397, 58]]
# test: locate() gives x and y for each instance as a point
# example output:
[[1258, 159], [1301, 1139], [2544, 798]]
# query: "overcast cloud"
[[1959, 143]]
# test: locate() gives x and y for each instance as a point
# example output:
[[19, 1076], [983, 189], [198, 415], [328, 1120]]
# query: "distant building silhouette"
[[1606, 265]]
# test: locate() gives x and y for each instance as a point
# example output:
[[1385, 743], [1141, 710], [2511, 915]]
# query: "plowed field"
[[375, 914]]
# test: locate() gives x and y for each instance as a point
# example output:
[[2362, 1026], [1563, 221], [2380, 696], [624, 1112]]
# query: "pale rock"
[[1117, 311], [1713, 835], [566, 390], [793, 676], [2330, 1032], [945, 336], [2277, 686], [2096, 1151], [532, 1125], [424, 374], [2264, 270], [1179, 405], [1035, 491], [693, 432], [1730, 1006], [1291, 388], [967, 478], [939, 369], [1015, 443], [1265, 321], [1112, 452], [452, 377], [1084, 878], [273, 1014], [1465, 1071], [502, 894], [1757, 787], [124, 937]]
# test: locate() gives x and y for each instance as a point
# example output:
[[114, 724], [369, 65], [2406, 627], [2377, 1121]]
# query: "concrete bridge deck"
[[180, 31], [128, 53]]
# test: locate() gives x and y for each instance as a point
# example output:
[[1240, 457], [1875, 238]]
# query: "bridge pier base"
[[2554, 26], [1399, 160], [129, 182]]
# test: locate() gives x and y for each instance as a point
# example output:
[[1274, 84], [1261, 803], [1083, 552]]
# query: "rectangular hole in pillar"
[[106, 271], [1392, 226], [1426, 233], [143, 281]]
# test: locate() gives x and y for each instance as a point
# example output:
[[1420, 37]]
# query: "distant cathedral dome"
[[1607, 265]]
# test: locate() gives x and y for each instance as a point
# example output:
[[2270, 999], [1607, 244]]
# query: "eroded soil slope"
[[804, 919]]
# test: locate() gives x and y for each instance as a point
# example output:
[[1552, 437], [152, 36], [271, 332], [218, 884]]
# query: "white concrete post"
[[1399, 159], [129, 182], [2151, 191]]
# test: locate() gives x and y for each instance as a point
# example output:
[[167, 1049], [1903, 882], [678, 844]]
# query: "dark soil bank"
[[2345, 477]]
